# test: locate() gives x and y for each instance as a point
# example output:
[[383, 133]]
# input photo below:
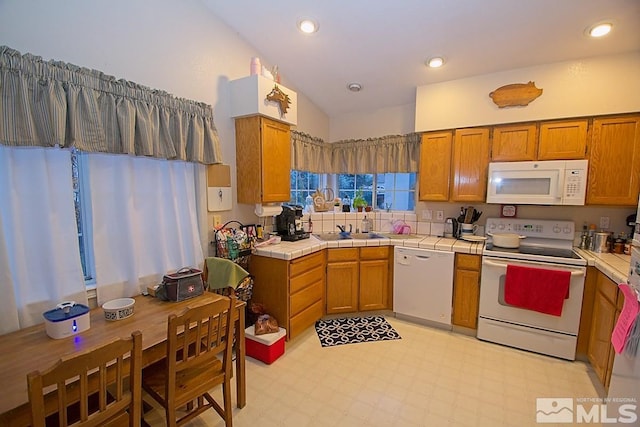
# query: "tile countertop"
[[614, 266], [293, 250]]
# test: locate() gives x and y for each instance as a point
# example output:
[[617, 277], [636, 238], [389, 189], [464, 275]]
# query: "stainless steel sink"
[[398, 236], [338, 236]]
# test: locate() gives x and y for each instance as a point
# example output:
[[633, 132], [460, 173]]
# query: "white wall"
[[397, 120], [177, 46], [586, 87]]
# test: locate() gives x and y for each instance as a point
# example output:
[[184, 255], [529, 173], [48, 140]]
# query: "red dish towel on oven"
[[536, 289]]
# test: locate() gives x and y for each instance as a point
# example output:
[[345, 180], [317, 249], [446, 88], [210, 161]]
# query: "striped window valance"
[[52, 103], [387, 154]]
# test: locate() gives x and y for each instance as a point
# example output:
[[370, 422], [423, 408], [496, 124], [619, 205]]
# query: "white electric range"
[[547, 244]]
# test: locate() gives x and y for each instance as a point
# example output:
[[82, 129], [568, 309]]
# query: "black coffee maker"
[[289, 223]]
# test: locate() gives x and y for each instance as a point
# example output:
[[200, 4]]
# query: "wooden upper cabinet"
[[514, 143], [563, 140], [263, 158], [614, 161], [435, 166], [470, 164]]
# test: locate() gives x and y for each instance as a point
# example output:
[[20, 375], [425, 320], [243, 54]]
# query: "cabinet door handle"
[[574, 273]]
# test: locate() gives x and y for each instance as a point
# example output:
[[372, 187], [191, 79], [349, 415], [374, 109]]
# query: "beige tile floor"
[[430, 377]]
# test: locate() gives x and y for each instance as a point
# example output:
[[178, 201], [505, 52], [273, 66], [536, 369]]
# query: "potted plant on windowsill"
[[359, 202]]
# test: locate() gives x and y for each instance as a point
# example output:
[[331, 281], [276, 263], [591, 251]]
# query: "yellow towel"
[[222, 273]]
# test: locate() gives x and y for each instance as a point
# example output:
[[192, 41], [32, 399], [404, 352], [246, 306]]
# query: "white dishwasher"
[[423, 285]]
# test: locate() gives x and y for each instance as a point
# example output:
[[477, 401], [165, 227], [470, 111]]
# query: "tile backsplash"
[[326, 222]]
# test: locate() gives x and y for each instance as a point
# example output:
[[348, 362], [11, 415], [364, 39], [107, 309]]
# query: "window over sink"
[[395, 191]]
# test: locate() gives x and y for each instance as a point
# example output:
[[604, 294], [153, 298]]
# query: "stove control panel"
[[544, 229]]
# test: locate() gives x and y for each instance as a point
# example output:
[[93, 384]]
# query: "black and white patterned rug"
[[351, 330]]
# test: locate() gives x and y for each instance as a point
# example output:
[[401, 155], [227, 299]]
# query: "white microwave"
[[549, 182]]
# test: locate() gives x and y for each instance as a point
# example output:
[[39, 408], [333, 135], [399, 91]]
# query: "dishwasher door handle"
[[575, 273]]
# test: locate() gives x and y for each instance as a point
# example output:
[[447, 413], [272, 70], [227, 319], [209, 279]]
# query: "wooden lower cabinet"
[[358, 279], [374, 285], [292, 291], [342, 280], [466, 290], [586, 315], [604, 315]]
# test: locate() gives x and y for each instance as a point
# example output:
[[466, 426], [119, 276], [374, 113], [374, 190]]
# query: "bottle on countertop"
[[584, 238], [591, 238], [618, 244], [308, 204], [366, 225]]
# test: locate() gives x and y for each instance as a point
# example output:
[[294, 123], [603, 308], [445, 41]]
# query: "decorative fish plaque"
[[515, 95]]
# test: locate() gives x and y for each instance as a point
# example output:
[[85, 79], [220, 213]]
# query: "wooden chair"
[[72, 385], [195, 339]]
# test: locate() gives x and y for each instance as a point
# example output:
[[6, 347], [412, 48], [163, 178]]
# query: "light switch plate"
[[604, 222], [439, 215], [427, 214]]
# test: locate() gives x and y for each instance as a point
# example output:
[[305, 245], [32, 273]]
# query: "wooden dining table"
[[31, 348]]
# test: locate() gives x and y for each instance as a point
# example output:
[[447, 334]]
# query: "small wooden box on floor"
[[266, 348]]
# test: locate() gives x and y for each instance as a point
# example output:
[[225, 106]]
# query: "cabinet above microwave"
[[553, 182]]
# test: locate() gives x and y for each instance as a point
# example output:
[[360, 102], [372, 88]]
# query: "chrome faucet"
[[342, 228]]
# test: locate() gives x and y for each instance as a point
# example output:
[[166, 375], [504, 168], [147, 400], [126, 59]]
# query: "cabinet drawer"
[[607, 287], [342, 254], [306, 318], [306, 297], [303, 280], [374, 252], [468, 262], [305, 263]]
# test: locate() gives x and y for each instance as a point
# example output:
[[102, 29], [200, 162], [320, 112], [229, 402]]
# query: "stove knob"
[[567, 230], [500, 226], [556, 229]]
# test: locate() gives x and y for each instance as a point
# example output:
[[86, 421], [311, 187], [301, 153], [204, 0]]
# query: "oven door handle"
[[574, 273]]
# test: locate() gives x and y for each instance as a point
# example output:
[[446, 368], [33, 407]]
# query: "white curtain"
[[145, 221], [39, 252]]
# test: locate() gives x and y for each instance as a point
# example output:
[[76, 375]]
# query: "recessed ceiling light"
[[354, 87], [308, 26], [601, 29], [435, 62]]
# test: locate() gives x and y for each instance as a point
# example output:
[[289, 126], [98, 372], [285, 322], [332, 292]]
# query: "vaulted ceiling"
[[383, 45]]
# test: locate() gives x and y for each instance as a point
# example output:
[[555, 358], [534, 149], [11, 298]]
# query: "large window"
[[303, 184], [349, 184], [396, 191], [384, 191]]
